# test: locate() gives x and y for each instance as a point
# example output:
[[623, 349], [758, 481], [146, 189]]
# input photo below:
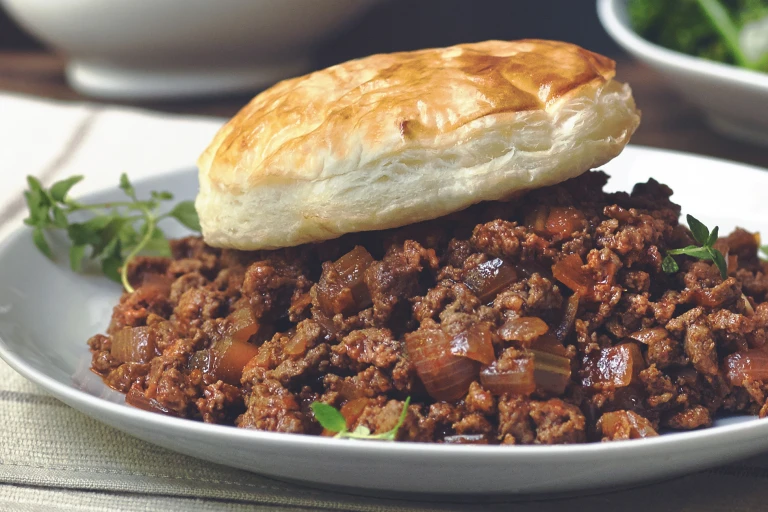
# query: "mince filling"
[[544, 320]]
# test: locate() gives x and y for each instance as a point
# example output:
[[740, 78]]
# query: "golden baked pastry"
[[393, 139]]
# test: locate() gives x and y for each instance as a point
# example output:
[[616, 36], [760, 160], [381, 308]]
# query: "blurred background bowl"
[[734, 100], [148, 49]]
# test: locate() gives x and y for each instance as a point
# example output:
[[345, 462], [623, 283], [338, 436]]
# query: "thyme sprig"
[[704, 251], [115, 233]]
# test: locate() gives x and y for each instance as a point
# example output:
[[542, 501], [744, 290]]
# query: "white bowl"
[[735, 100], [173, 48]]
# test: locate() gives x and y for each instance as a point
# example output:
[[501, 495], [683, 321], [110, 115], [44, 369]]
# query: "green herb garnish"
[[704, 251], [116, 232], [331, 419], [720, 30]]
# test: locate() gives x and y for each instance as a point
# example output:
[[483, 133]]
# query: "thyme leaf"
[[331, 419]]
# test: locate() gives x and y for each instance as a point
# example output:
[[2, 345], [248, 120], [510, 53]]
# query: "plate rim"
[[70, 394]]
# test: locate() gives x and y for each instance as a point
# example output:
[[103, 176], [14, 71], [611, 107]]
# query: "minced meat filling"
[[543, 320]]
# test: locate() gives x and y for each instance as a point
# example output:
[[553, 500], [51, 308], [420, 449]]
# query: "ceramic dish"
[[143, 49], [734, 100], [47, 313]]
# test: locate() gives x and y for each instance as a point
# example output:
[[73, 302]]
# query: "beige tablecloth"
[[55, 458]]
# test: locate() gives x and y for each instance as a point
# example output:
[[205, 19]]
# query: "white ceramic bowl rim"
[[617, 26]]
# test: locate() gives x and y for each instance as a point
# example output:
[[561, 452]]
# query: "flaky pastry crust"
[[393, 139]]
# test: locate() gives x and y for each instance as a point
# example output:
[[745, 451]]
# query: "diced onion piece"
[[342, 287], [549, 343], [326, 322], [618, 424], [748, 309], [201, 360], [445, 375], [296, 345], [133, 345], [138, 399], [353, 409], [650, 336], [474, 343], [551, 372], [229, 359], [617, 366], [569, 318], [243, 323], [571, 273], [350, 390], [517, 378], [490, 278], [705, 297], [536, 219], [552, 367], [351, 267], [563, 221], [523, 328], [551, 382], [551, 363], [746, 365]]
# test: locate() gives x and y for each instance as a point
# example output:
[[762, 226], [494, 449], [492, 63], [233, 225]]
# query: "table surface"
[[668, 121]]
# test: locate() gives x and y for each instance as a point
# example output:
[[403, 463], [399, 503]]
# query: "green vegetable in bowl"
[[730, 31]]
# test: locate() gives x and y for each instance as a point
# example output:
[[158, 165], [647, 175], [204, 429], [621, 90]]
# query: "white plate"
[[734, 99], [47, 313]]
